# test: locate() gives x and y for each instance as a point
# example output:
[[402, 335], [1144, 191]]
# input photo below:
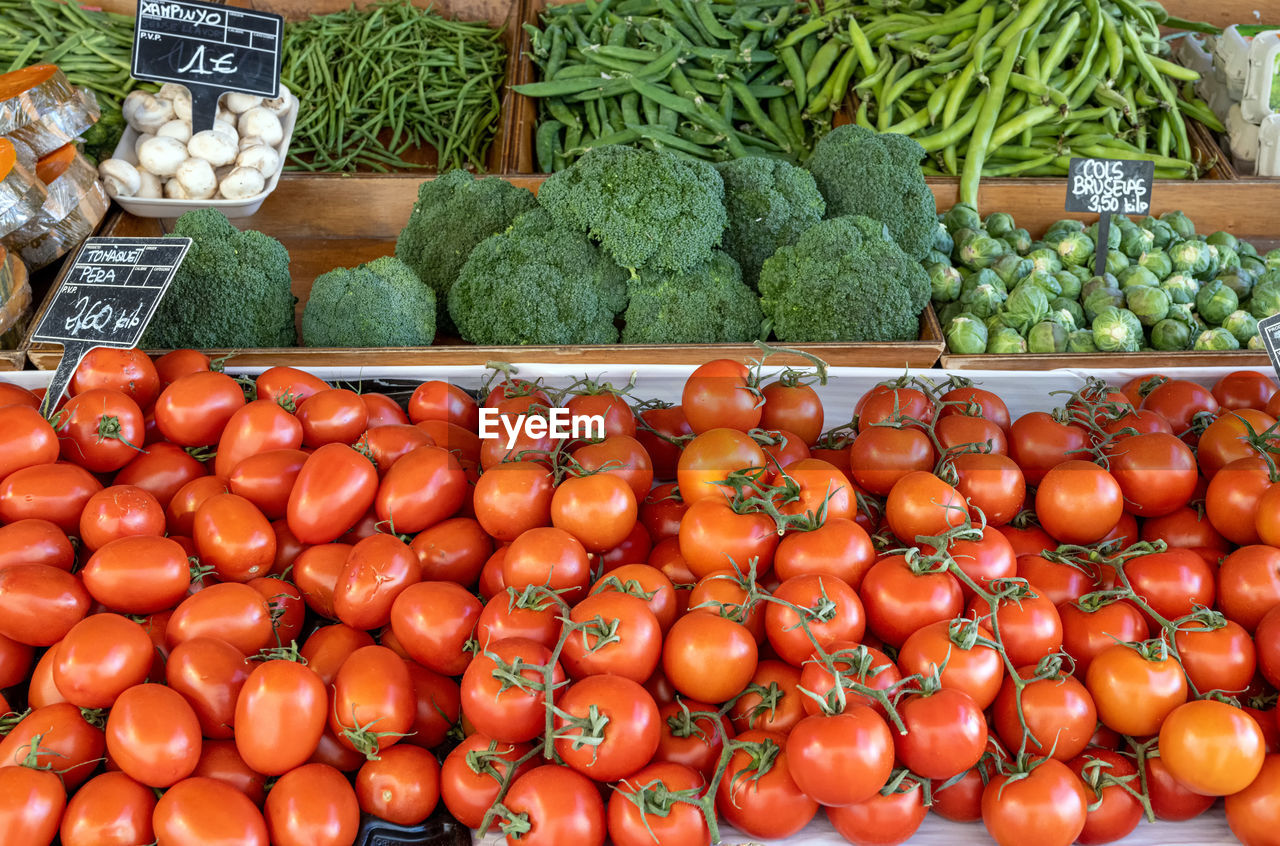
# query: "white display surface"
[[1022, 391]]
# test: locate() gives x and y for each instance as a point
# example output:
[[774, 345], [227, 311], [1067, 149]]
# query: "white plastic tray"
[[165, 207]]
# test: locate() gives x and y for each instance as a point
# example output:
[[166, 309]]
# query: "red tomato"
[[469, 789], [210, 674], [39, 604], [35, 541], [835, 613], [1212, 748], [622, 638], [335, 416], [120, 511], [28, 441], [383, 410], [1028, 623], [378, 569], [757, 794], [102, 656], [109, 810], [1248, 584], [31, 805], [100, 430], [234, 538], [266, 479], [659, 432], [68, 743], [992, 483], [1254, 813], [1049, 804], [153, 735], [161, 471], [328, 648], [1088, 627], [629, 735], [1038, 443], [1105, 774], [922, 505], [561, 806], [1133, 693], [204, 811], [882, 455], [720, 394], [971, 667], [259, 426], [1179, 401], [841, 759], [373, 703], [713, 536], [15, 661], [550, 557], [194, 409], [881, 819], [232, 612], [1156, 473], [1078, 502], [772, 700], [707, 657], [53, 492], [789, 404], [692, 735], [1244, 389], [424, 487], [838, 547], [1059, 713], [332, 492], [312, 805], [402, 786], [434, 621], [1170, 800], [512, 714], [439, 400], [279, 716], [129, 371], [709, 458], [899, 600], [672, 822], [945, 733], [438, 705], [288, 385]]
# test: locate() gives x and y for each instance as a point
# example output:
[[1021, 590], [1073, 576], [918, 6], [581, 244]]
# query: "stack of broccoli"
[[1164, 287]]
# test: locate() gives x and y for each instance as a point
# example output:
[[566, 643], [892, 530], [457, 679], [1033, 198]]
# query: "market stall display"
[[583, 641]]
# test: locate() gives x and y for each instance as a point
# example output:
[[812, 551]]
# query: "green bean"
[[547, 143], [981, 136], [1017, 168], [791, 60]]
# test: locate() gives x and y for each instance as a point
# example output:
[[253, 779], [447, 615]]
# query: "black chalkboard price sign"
[[1106, 187], [208, 48], [107, 299], [1269, 329]]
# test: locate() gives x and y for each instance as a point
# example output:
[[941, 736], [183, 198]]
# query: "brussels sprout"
[[1184, 312], [1214, 340], [1117, 330], [967, 335], [976, 278], [1011, 268], [1134, 241], [1223, 239], [1190, 257], [1151, 305], [1228, 259], [1157, 261], [1181, 288], [1116, 261], [1005, 247], [949, 312], [1113, 235], [942, 240], [996, 322], [1169, 335], [1021, 241], [1047, 282], [1069, 284], [1063, 318], [1253, 265], [1255, 343], [1071, 307], [1091, 284], [1268, 275], [1027, 305], [1242, 324], [1045, 259], [1180, 223], [983, 301], [1246, 249], [1215, 301], [1136, 275], [1237, 280], [1006, 342], [945, 281], [1272, 259], [1099, 300], [1081, 341], [999, 224], [1076, 248], [962, 216], [980, 251], [936, 257], [1047, 337], [1063, 227], [1265, 300], [1161, 232]]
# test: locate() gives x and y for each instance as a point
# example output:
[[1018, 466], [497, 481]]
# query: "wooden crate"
[[503, 13], [1225, 12], [323, 228], [1236, 207]]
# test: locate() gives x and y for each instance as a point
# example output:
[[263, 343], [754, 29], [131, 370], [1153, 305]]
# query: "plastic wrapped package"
[[62, 124], [15, 298], [1261, 96], [71, 181], [22, 194], [67, 233], [28, 94]]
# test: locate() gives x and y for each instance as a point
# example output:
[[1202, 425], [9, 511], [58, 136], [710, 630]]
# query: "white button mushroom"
[[225, 114], [240, 103], [152, 188], [173, 91], [174, 191], [264, 124], [196, 177], [120, 178], [179, 129], [280, 104], [137, 142], [182, 106], [162, 156], [131, 103], [261, 158], [212, 146], [151, 113], [242, 183]]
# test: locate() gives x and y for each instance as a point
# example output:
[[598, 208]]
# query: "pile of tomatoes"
[[253, 610]]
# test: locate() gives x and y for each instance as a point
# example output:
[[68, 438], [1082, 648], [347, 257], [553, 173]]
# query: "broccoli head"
[[454, 212], [845, 279], [647, 209], [707, 305], [769, 203], [379, 304], [232, 290], [538, 283], [863, 173]]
